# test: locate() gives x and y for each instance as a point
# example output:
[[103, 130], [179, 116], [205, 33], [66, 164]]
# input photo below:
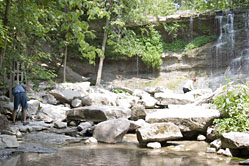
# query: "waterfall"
[[231, 33], [230, 53], [220, 26], [219, 42]]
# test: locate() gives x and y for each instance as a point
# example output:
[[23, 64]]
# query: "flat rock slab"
[[187, 118], [32, 126], [158, 132], [47, 139], [24, 147], [98, 113], [8, 141], [165, 99]]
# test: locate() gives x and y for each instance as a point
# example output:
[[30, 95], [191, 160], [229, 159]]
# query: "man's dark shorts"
[[185, 90], [20, 98]]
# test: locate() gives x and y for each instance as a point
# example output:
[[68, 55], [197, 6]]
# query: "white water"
[[230, 55]]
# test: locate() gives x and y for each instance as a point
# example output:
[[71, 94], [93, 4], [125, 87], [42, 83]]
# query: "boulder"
[[98, 113], [84, 127], [33, 107], [60, 125], [212, 133], [138, 112], [71, 131], [137, 124], [65, 95], [235, 140], [159, 89], [126, 100], [225, 152], [82, 87], [99, 99], [49, 99], [111, 131], [158, 132], [148, 101], [145, 98], [154, 145], [50, 112], [216, 144], [165, 99], [76, 103], [91, 140], [201, 138], [190, 119]]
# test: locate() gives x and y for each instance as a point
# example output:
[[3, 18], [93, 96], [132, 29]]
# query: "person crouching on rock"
[[189, 85], [19, 93]]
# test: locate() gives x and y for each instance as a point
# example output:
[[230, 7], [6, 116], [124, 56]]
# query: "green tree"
[[120, 13]]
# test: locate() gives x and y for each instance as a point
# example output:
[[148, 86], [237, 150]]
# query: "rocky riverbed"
[[154, 119]]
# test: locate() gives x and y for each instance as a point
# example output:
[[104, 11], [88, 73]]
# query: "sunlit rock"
[[111, 131], [98, 113], [158, 132], [190, 119]]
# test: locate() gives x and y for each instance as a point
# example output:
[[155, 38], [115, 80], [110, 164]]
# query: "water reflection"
[[116, 155]]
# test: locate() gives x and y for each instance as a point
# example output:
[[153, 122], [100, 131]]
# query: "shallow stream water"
[[125, 154]]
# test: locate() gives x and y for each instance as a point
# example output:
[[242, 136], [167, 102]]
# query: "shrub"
[[233, 103], [175, 46]]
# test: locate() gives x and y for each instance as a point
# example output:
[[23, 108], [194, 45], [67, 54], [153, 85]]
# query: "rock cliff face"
[[227, 57]]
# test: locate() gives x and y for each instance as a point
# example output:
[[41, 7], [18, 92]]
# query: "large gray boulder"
[[158, 132], [49, 99], [82, 87], [66, 92], [51, 113], [98, 113], [99, 99], [148, 101], [235, 140], [165, 99], [126, 100], [111, 131], [65, 95], [138, 112], [76, 103], [190, 119], [33, 107]]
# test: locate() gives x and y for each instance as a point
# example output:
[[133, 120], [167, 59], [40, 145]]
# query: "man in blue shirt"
[[19, 93]]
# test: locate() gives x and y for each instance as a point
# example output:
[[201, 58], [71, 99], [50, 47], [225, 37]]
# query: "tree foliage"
[[38, 31], [148, 45]]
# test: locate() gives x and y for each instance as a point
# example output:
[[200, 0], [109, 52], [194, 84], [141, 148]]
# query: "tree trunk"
[[65, 65], [101, 61], [5, 23], [217, 4]]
